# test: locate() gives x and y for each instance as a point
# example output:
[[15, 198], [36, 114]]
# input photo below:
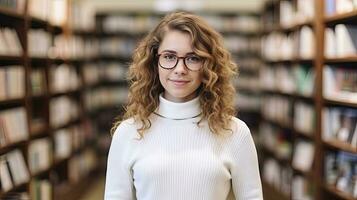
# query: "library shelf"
[[306, 174], [290, 61], [12, 191], [65, 125], [339, 145], [41, 172], [7, 14], [5, 58], [278, 124], [271, 153], [119, 58], [348, 59], [12, 146], [11, 103], [127, 34], [72, 191], [67, 93], [270, 192], [37, 23], [345, 18], [310, 136], [337, 102], [333, 190]]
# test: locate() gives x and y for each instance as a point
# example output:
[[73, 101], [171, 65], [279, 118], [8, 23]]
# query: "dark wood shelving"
[[270, 192], [11, 146], [340, 103], [343, 60], [37, 23], [7, 15], [338, 145], [14, 59], [345, 18], [310, 136], [342, 195], [290, 61], [8, 194], [12, 103]]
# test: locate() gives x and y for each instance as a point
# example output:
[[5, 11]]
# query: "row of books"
[[81, 165], [64, 78], [297, 79], [339, 83], [63, 110], [276, 140], [340, 41], [295, 45], [333, 7], [39, 43], [10, 44], [246, 82], [115, 46], [104, 71], [13, 170], [292, 14], [340, 171], [340, 124], [304, 155], [304, 118], [240, 44], [129, 24], [71, 139], [248, 63], [54, 11], [277, 109], [40, 155], [41, 189], [239, 23], [103, 97], [13, 126], [246, 101], [303, 188], [12, 82], [277, 175], [38, 81], [75, 47], [15, 5]]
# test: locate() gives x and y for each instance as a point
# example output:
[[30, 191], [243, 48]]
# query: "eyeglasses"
[[170, 60]]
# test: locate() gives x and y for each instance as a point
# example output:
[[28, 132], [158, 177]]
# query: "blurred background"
[[63, 66]]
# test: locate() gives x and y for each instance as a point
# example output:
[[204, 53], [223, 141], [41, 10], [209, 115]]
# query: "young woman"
[[179, 139]]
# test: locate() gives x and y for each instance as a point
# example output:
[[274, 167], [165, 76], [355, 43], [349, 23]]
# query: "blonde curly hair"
[[216, 93]]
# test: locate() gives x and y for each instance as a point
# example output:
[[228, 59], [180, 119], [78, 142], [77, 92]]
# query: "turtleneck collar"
[[182, 110]]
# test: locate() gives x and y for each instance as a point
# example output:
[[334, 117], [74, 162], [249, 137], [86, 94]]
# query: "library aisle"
[[63, 83]]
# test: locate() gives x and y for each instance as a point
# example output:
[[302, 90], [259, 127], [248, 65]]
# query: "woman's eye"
[[194, 59], [170, 57]]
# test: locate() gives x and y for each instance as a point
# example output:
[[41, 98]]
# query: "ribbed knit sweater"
[[178, 160]]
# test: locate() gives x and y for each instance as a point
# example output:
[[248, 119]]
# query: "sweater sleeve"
[[119, 181], [246, 181]]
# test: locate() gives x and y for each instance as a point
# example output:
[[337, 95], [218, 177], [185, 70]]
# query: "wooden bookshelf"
[[22, 24], [318, 25], [337, 193], [345, 18]]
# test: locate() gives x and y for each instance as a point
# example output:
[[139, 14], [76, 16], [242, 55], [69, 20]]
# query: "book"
[[12, 41], [18, 167], [5, 178], [14, 123], [330, 7], [330, 43], [39, 155], [343, 6], [346, 40], [306, 43], [303, 156]]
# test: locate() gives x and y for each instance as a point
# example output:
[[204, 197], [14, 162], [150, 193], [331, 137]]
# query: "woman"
[[179, 139]]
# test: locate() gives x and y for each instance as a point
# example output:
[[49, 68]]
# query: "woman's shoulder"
[[126, 129], [238, 126]]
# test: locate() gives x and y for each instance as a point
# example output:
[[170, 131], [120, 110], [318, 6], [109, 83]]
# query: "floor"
[[95, 191]]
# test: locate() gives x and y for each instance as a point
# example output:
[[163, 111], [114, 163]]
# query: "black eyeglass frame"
[[177, 61]]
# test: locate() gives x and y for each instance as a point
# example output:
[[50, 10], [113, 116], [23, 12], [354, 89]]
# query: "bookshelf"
[[27, 100], [331, 108]]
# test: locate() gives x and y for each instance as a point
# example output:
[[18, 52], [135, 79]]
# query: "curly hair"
[[216, 93]]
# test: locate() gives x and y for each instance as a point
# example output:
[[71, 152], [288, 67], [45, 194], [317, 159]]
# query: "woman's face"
[[180, 83]]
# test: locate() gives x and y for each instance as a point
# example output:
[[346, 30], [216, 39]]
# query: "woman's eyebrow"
[[172, 51]]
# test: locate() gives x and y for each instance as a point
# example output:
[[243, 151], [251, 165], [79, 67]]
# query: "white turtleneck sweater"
[[177, 160]]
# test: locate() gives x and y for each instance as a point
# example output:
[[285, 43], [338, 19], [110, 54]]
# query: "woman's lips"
[[179, 82]]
